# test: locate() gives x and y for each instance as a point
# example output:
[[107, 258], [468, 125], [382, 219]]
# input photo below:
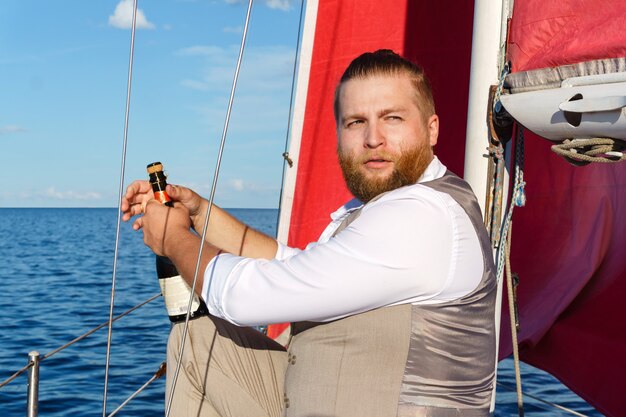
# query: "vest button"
[[292, 360], [286, 402]]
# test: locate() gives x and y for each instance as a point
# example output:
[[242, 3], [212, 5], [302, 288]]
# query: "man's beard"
[[408, 168]]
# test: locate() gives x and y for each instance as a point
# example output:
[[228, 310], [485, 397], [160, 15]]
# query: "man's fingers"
[[137, 188], [138, 224], [179, 193], [143, 207]]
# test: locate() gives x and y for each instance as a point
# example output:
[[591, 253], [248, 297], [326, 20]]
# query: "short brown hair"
[[387, 62]]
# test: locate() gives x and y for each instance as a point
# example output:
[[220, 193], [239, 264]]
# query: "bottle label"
[[176, 294], [162, 197]]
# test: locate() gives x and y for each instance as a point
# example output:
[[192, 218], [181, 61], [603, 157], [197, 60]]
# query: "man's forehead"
[[387, 90]]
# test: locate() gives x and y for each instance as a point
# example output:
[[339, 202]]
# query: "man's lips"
[[376, 163]]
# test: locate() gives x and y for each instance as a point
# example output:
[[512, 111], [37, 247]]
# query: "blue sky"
[[63, 67]]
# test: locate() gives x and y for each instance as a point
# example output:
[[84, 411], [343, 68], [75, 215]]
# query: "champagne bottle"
[[174, 288]]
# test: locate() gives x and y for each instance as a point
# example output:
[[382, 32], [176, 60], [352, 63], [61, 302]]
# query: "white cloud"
[[236, 184], [200, 50], [279, 4], [11, 129], [233, 29], [195, 85], [262, 97], [122, 17], [272, 4], [264, 69], [53, 193]]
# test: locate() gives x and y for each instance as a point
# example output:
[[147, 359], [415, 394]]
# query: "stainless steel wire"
[[534, 397], [84, 335], [119, 207], [78, 339], [290, 115], [158, 374], [208, 213]]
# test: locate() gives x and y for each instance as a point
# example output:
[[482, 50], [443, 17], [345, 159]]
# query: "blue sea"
[[55, 284]]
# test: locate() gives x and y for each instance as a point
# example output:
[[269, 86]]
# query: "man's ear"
[[432, 126]]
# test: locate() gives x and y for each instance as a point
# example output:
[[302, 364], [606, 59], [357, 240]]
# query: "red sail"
[[551, 33], [568, 241]]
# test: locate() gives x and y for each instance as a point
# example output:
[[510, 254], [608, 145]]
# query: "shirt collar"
[[434, 170]]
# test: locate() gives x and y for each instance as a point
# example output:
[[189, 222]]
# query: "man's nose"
[[374, 136]]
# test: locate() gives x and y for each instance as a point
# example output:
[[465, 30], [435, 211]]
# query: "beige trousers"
[[226, 371]]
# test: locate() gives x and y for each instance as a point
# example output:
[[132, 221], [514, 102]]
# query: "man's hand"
[[140, 192], [193, 202], [163, 226], [224, 231]]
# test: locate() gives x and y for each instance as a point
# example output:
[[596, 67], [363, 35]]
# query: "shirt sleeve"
[[399, 250]]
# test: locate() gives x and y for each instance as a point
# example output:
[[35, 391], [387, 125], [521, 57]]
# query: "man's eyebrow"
[[353, 116], [384, 112]]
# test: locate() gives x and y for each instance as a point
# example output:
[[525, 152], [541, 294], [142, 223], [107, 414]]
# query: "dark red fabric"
[[550, 33], [568, 241], [568, 249]]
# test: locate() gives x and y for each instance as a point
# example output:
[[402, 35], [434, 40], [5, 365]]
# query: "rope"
[[584, 151], [509, 285], [158, 374], [208, 213], [119, 209], [518, 198], [78, 339]]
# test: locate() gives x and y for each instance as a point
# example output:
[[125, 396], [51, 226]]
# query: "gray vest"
[[406, 360]]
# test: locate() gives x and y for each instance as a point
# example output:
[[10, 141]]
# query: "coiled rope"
[[585, 151]]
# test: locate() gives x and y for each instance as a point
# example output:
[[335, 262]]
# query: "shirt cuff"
[[216, 277]]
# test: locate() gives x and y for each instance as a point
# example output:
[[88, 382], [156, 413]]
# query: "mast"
[[297, 123], [489, 21]]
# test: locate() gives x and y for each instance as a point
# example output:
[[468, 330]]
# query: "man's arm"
[[402, 249], [224, 231]]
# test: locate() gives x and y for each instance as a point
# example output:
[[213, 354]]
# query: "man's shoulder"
[[411, 197]]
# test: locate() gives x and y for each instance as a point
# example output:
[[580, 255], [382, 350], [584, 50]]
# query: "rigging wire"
[[158, 374], [534, 397], [78, 339], [208, 213], [119, 207], [286, 156]]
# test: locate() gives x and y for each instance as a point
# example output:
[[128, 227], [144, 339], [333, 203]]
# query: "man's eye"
[[354, 123], [394, 118]]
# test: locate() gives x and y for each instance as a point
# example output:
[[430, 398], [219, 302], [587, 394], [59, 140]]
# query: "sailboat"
[[567, 239], [566, 248]]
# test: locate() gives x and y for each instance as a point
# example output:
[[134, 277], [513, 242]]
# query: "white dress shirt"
[[413, 245]]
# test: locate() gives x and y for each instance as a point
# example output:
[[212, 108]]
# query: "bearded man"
[[392, 309]]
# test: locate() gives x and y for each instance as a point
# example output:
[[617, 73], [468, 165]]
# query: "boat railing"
[[35, 359]]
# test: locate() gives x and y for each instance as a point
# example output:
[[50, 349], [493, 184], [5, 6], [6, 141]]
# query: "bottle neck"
[[162, 197]]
